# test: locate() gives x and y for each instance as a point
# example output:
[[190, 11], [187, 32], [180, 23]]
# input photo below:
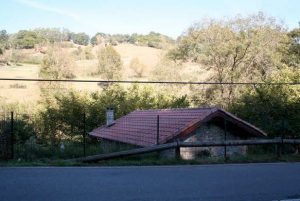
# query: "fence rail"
[[148, 82], [19, 139], [179, 144]]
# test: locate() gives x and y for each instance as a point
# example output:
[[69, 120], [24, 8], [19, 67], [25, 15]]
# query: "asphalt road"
[[253, 182]]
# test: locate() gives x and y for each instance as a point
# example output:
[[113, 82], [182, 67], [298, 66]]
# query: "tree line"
[[27, 39], [255, 48]]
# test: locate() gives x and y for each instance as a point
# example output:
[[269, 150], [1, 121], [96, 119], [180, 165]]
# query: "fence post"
[[84, 135], [225, 138], [12, 134], [282, 136], [157, 130]]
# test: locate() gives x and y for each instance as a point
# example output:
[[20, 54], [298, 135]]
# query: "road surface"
[[244, 182]]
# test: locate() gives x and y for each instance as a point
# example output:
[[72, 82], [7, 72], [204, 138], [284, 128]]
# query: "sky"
[[170, 17]]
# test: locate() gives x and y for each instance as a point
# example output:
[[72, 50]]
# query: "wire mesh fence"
[[26, 136]]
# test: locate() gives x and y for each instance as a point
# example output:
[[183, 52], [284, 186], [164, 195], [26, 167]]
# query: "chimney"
[[110, 116]]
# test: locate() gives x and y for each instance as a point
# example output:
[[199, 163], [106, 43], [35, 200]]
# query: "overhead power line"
[[149, 82]]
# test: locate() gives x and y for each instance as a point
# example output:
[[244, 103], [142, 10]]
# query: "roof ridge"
[[166, 109]]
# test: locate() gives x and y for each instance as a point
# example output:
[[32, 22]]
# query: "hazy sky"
[[169, 17]]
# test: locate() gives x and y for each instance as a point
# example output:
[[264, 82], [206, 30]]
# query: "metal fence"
[[21, 137], [6, 136]]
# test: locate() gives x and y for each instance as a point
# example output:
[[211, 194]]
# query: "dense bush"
[[3, 41], [155, 40], [273, 108], [62, 115], [80, 38], [26, 39], [109, 63], [53, 35], [57, 64], [83, 53]]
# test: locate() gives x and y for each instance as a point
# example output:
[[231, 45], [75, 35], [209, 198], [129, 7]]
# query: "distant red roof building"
[[140, 127]]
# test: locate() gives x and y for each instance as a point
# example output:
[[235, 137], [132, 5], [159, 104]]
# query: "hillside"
[[29, 91], [154, 68]]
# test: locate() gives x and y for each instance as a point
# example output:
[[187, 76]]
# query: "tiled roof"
[[140, 127]]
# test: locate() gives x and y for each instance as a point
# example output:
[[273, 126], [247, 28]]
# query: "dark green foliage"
[[80, 38], [26, 39], [270, 112], [273, 108], [95, 39], [109, 63], [62, 117], [3, 37], [153, 39], [23, 128], [241, 49], [3, 41], [292, 56], [52, 35]]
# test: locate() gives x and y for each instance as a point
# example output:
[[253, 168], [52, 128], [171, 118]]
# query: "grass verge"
[[153, 160]]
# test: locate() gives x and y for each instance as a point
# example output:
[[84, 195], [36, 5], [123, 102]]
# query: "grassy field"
[[29, 92], [23, 92]]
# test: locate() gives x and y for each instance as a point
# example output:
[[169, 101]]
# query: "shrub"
[[273, 108], [137, 67], [83, 53], [26, 39], [18, 86], [57, 64], [109, 63]]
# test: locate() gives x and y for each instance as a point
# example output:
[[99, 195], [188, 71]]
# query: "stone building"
[[143, 128]]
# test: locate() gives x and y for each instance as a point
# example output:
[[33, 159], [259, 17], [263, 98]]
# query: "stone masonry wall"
[[210, 133]]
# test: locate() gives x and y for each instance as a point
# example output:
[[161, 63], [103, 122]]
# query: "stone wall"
[[211, 133]]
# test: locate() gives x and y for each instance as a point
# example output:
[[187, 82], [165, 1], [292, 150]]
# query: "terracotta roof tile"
[[140, 127]]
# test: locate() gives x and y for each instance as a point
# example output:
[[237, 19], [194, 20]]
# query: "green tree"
[[57, 64], [50, 34], [3, 41], [26, 39], [99, 38], [292, 56], [109, 63], [274, 108], [80, 38], [235, 50], [153, 39]]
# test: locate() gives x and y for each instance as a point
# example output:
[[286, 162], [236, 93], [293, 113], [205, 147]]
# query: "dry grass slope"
[[28, 92]]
